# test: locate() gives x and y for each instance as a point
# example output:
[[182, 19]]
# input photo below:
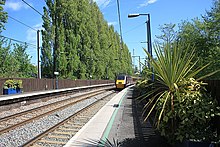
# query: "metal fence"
[[30, 85]]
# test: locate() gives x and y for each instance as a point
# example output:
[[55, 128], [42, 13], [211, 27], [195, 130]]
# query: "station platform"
[[46, 92], [120, 121]]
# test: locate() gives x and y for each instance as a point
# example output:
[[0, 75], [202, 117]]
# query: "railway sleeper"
[[60, 136], [55, 134], [68, 129], [37, 145], [79, 118], [51, 142], [75, 125], [56, 139], [84, 116], [2, 127], [66, 133], [72, 127]]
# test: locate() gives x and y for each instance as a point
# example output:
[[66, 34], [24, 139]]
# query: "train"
[[122, 81]]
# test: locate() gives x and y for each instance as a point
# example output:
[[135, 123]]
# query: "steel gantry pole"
[[38, 55]]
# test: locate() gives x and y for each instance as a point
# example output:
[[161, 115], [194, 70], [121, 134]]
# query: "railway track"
[[14, 121], [59, 134]]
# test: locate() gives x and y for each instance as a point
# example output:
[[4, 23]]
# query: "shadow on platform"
[[145, 135]]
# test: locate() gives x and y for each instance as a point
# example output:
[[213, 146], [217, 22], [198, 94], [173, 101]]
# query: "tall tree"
[[23, 62], [168, 33], [3, 16], [78, 41], [14, 61], [204, 35], [47, 45]]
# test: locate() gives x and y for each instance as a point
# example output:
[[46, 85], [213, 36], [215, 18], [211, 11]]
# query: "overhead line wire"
[[33, 8], [134, 28], [22, 23], [36, 10], [18, 41]]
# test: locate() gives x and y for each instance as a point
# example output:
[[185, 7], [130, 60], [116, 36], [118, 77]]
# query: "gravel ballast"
[[24, 133]]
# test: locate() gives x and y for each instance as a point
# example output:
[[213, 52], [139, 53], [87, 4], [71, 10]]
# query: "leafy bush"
[[192, 116], [183, 109], [15, 84]]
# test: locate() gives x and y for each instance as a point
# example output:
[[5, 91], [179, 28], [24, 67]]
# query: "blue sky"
[[133, 29]]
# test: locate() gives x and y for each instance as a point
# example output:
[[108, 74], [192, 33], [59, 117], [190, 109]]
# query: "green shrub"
[[15, 84], [183, 109], [193, 113]]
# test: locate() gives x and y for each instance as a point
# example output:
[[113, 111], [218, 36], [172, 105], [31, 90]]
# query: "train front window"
[[120, 77]]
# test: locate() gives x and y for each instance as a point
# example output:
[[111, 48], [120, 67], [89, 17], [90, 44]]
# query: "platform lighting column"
[[149, 45]]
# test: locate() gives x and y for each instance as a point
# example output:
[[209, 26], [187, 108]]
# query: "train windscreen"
[[120, 77]]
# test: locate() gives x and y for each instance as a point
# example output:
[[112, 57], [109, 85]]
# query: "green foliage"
[[101, 143], [168, 33], [13, 84], [193, 112], [80, 43], [184, 110], [23, 62], [174, 92], [204, 35], [47, 43], [3, 16], [15, 63]]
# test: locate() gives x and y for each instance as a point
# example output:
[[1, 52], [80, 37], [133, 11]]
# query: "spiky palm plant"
[[173, 66], [100, 143]]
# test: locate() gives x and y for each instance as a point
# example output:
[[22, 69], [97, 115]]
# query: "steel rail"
[[65, 122], [10, 126]]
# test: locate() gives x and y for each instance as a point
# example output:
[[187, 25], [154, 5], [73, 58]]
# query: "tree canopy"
[[14, 61], [203, 34], [79, 44]]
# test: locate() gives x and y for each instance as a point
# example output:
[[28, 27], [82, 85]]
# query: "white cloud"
[[102, 3], [112, 23], [151, 1], [147, 3], [15, 5]]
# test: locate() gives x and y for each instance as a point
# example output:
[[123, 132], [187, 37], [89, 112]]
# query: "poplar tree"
[[78, 43], [47, 46], [3, 16]]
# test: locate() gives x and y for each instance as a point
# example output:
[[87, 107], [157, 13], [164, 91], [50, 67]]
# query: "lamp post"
[[56, 83], [149, 45]]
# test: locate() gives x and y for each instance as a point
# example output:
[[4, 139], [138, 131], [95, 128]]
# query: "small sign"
[[56, 73]]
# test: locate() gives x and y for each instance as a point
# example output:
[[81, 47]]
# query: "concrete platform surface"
[[122, 126], [36, 93], [96, 127]]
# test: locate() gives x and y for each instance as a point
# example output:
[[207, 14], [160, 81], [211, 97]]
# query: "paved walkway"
[[98, 125], [129, 128], [119, 120]]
